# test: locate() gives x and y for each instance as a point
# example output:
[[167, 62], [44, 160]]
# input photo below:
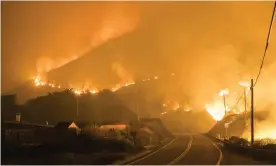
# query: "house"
[[66, 130], [66, 126]]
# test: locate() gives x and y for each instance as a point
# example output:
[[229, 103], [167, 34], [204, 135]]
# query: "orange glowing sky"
[[164, 36]]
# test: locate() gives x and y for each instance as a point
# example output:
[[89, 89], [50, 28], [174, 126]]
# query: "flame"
[[38, 82], [93, 91], [262, 132], [265, 133], [77, 92], [217, 110], [171, 105]]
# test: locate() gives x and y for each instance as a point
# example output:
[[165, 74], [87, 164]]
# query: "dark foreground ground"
[[75, 152], [188, 149]]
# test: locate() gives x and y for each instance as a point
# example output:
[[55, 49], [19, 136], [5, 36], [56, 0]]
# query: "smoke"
[[60, 36], [204, 78], [114, 24], [265, 94], [121, 72]]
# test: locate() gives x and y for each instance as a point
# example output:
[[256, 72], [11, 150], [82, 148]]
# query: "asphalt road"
[[166, 154], [195, 150]]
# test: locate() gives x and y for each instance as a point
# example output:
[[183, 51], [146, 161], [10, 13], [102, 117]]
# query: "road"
[[194, 150]]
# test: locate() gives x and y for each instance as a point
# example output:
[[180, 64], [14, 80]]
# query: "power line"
[[267, 42], [242, 95]]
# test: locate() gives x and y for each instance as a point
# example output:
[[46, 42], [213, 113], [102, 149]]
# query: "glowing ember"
[[171, 105], [130, 83], [77, 92], [163, 113], [38, 82], [94, 91]]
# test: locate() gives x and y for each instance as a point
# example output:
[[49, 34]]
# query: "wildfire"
[[77, 92], [37, 81], [266, 133], [94, 91], [263, 130], [216, 110], [171, 105]]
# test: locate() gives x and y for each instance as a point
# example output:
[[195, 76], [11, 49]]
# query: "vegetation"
[[63, 106]]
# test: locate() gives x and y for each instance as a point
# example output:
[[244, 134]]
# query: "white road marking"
[[152, 153], [184, 153], [220, 153]]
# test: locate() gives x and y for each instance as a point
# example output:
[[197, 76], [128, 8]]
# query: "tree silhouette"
[[62, 106]]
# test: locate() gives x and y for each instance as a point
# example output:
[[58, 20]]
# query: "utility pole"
[[252, 112], [244, 93], [224, 102], [77, 106]]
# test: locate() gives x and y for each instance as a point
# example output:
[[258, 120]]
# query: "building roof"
[[66, 125]]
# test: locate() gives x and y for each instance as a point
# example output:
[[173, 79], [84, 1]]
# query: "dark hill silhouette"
[[62, 106]]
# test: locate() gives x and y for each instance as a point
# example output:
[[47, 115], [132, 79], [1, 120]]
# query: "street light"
[[223, 93], [77, 94], [245, 87]]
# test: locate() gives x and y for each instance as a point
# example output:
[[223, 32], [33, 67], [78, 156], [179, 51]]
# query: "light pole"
[[245, 87], [244, 96], [223, 93], [224, 103], [77, 106], [77, 94], [252, 112]]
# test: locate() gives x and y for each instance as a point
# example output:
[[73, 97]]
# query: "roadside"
[[236, 156]]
